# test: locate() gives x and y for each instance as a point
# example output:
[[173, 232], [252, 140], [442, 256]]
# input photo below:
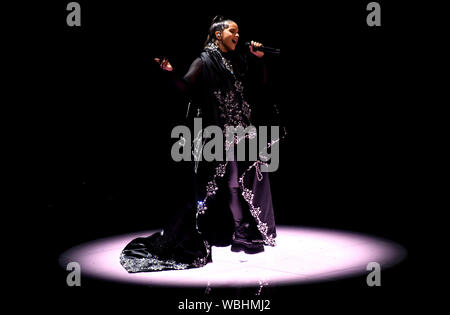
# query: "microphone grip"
[[270, 50]]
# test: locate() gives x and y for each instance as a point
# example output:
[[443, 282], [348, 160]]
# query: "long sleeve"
[[190, 79]]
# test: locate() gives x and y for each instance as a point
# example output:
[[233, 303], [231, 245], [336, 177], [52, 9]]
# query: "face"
[[229, 37]]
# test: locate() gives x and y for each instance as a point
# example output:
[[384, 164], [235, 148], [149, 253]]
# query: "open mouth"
[[234, 41]]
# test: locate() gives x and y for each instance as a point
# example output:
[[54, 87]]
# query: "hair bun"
[[217, 18]]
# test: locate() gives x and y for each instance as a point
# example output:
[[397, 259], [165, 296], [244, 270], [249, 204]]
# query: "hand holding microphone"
[[256, 48]]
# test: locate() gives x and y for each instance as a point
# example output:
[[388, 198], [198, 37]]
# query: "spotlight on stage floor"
[[302, 255]]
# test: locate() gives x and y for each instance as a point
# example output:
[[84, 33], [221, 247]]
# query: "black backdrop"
[[104, 116]]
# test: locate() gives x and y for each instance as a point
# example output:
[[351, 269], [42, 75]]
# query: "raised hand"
[[164, 64]]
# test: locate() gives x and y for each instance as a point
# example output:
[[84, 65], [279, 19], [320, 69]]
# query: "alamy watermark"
[[374, 17], [73, 279], [74, 16], [208, 144], [374, 277]]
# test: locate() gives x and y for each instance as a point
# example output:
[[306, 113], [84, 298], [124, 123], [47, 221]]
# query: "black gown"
[[217, 84]]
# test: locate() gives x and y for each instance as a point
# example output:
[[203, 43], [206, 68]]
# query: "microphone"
[[269, 50]]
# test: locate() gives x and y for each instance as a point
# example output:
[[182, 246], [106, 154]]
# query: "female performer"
[[219, 83]]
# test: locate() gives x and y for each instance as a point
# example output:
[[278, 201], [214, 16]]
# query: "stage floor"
[[302, 255]]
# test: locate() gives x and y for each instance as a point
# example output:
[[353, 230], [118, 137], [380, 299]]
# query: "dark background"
[[102, 115]]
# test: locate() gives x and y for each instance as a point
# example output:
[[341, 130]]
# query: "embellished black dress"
[[217, 83]]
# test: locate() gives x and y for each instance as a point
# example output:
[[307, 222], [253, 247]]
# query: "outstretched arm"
[[185, 83]]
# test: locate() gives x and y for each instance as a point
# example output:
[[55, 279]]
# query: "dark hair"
[[218, 23]]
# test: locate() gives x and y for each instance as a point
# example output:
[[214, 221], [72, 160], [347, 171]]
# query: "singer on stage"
[[231, 201]]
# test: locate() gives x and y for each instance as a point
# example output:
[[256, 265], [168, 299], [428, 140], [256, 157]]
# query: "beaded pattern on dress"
[[235, 113], [149, 263], [248, 196], [255, 211]]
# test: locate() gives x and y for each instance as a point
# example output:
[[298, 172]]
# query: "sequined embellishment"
[[211, 189], [232, 111], [149, 263], [153, 263], [256, 211], [212, 47]]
